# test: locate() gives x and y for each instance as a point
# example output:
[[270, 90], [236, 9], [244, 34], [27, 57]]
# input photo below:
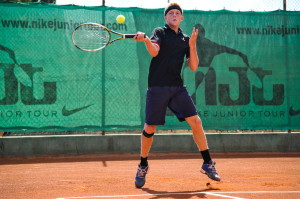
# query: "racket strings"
[[91, 37]]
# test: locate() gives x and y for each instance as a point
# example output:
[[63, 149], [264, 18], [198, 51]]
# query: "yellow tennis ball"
[[120, 18]]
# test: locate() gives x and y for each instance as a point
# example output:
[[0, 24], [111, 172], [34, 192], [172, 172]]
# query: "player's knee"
[[195, 121], [149, 130], [147, 135], [198, 121]]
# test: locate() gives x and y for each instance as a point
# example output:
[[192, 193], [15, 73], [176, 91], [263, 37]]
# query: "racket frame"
[[123, 36]]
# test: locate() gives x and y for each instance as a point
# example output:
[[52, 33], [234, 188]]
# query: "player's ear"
[[182, 18], [165, 18]]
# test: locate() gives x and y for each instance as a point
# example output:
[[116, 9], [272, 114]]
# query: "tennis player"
[[168, 46]]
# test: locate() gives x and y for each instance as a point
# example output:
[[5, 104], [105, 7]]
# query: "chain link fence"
[[247, 5], [293, 5], [235, 5], [263, 5]]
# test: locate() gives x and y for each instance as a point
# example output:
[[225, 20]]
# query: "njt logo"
[[12, 84], [215, 93]]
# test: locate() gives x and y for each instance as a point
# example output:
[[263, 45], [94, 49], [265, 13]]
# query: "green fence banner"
[[47, 84]]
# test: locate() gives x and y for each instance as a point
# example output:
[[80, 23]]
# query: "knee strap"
[[147, 135]]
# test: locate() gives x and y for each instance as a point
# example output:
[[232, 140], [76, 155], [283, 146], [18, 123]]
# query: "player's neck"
[[175, 28]]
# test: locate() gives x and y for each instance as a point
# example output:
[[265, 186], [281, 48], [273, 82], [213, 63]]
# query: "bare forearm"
[[152, 48], [193, 61]]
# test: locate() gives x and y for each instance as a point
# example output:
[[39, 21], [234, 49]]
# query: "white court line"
[[257, 192], [192, 193], [223, 196]]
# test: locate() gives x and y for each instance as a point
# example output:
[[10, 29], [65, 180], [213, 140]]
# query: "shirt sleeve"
[[187, 53], [156, 36]]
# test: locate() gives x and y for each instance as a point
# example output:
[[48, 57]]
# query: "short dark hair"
[[172, 6]]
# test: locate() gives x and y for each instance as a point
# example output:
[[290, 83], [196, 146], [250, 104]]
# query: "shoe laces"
[[141, 172], [212, 167]]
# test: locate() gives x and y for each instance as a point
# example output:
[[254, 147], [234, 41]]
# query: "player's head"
[[172, 6], [173, 14]]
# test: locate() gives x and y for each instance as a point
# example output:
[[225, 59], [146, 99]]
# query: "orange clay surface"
[[171, 175]]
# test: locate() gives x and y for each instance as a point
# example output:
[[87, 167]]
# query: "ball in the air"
[[120, 18]]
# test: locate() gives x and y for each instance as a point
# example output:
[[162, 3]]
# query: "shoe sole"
[[139, 186], [204, 172]]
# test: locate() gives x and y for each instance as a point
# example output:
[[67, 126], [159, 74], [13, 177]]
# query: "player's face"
[[174, 17]]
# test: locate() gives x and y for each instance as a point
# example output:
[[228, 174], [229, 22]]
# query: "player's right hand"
[[140, 36]]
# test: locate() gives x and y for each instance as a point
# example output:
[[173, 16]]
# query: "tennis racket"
[[92, 37]]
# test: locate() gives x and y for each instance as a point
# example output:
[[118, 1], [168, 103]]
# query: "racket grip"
[[131, 36]]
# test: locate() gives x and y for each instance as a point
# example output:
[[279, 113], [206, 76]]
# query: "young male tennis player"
[[168, 46]]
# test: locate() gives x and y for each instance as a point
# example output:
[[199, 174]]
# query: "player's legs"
[[198, 132], [156, 106], [147, 139], [184, 108], [208, 166], [146, 142]]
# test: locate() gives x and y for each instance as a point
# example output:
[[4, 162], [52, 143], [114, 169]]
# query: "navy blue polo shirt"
[[165, 68]]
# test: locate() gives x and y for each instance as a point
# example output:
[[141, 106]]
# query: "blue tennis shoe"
[[210, 170], [140, 178]]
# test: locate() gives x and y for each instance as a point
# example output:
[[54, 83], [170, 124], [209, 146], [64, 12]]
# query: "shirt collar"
[[168, 27]]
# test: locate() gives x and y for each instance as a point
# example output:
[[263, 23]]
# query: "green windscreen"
[[46, 83]]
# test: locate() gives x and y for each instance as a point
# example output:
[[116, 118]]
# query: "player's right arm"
[[152, 48]]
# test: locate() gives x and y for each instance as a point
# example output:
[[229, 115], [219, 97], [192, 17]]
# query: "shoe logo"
[[292, 112], [66, 112]]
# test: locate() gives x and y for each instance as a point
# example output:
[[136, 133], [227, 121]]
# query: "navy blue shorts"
[[176, 98]]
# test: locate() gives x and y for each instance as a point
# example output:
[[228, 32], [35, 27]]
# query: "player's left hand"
[[193, 38]]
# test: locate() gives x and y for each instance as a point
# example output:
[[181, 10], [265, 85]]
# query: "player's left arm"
[[193, 61]]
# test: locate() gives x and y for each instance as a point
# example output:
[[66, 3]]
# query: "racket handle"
[[131, 36]]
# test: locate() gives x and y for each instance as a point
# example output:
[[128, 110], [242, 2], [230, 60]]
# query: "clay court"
[[172, 175]]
